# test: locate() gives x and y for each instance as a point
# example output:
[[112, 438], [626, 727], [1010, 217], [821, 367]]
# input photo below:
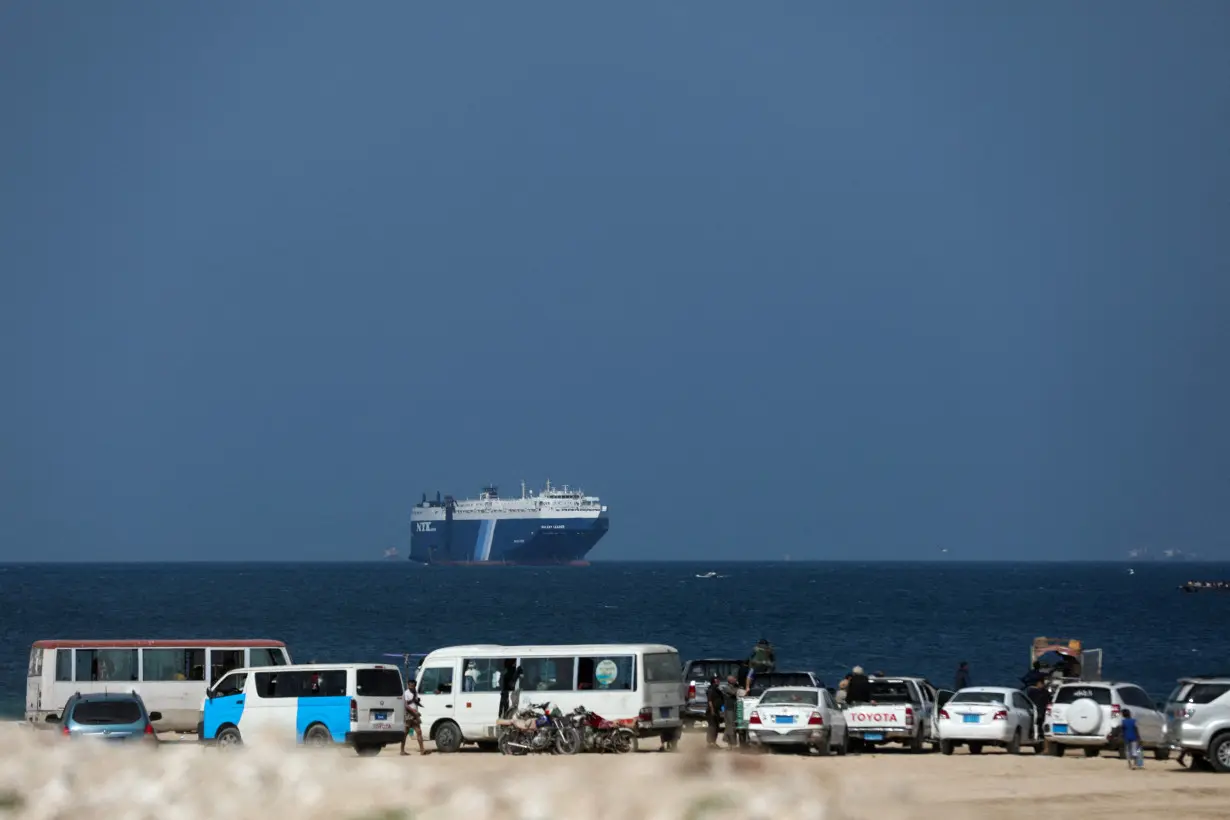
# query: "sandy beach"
[[43, 776]]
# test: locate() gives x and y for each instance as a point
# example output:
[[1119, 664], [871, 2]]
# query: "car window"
[[378, 683], [883, 691], [1205, 692], [1134, 696], [231, 685], [1070, 694], [978, 697], [437, 680], [106, 712], [761, 683], [1021, 702], [704, 670], [791, 697]]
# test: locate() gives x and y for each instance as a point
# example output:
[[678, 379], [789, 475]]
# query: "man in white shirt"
[[414, 722]]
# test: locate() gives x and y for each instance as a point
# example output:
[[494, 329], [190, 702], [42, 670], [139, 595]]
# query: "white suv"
[[1087, 714], [1199, 720]]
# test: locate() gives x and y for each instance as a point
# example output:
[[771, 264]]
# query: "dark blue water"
[[824, 617]]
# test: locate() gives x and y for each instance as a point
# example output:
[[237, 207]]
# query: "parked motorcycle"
[[599, 734], [538, 728]]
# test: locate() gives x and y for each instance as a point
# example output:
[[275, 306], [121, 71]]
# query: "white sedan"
[[802, 717], [979, 716]]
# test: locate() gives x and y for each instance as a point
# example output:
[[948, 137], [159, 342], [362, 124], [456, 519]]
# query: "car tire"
[[1055, 749], [1161, 754], [368, 750], [317, 736], [1092, 751], [1014, 745], [947, 747], [228, 738], [447, 737], [1219, 753], [916, 744], [975, 748]]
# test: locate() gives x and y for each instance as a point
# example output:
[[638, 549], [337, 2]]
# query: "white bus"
[[170, 676], [637, 685]]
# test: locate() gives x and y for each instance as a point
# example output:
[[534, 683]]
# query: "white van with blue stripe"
[[343, 704]]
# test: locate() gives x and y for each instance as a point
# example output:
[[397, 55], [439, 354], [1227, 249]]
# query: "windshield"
[[978, 697], [883, 691], [760, 683], [702, 671], [662, 667], [378, 683], [1070, 694], [107, 712], [791, 697]]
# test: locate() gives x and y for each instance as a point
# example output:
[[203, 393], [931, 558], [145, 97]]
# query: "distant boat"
[[708, 575], [391, 552]]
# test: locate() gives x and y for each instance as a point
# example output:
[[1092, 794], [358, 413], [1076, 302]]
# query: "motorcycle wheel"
[[623, 741], [568, 741], [505, 744]]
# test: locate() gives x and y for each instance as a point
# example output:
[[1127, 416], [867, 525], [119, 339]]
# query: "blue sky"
[[839, 280]]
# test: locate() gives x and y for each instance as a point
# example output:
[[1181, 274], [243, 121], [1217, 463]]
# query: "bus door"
[[478, 702], [435, 685]]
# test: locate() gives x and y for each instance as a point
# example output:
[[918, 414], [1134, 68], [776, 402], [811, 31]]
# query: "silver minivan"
[[1198, 720]]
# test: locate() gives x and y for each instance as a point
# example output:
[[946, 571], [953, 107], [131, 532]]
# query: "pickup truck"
[[696, 677], [902, 710]]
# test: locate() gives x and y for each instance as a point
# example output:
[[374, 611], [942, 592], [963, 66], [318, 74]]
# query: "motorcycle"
[[599, 734], [538, 728]]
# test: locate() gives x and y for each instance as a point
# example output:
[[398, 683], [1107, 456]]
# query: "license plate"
[[380, 715], [873, 736], [382, 725], [664, 711], [972, 718], [783, 719], [1059, 729]]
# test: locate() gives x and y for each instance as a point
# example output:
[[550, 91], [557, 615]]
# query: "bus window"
[[663, 667], [35, 669], [266, 656], [166, 664], [64, 664], [607, 673], [482, 674], [222, 661], [106, 664], [547, 674]]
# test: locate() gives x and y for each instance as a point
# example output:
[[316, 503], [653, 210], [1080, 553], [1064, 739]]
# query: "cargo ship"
[[549, 528]]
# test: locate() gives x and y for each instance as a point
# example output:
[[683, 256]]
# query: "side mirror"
[[53, 718], [154, 717]]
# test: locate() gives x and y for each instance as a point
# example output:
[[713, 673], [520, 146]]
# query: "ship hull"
[[506, 541]]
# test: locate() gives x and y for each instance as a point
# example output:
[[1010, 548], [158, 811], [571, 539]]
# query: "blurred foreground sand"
[[42, 776]]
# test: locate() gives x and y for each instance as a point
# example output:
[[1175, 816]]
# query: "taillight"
[[755, 718], [1002, 714], [815, 719], [943, 714], [354, 710], [149, 728], [691, 691], [64, 731], [909, 716], [645, 714], [1048, 709], [1114, 710]]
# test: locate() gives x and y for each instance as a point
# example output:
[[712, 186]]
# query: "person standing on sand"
[[1040, 698], [414, 721], [730, 700], [963, 678], [713, 711], [1131, 741]]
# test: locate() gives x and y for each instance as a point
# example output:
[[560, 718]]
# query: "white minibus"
[[171, 676], [318, 704], [462, 687]]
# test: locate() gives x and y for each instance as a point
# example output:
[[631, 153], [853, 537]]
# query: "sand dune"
[[43, 776]]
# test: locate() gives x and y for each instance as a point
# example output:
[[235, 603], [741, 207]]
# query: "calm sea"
[[823, 617]]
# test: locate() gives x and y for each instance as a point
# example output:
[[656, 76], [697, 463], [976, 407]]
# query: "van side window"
[[481, 674], [547, 674], [607, 673], [64, 664], [437, 680], [231, 685], [330, 683]]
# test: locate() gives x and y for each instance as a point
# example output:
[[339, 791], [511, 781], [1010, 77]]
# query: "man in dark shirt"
[[963, 679], [1040, 698], [858, 690], [713, 712], [508, 683]]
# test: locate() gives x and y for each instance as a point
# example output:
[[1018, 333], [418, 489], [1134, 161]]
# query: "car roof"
[[996, 689], [101, 696], [794, 689]]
